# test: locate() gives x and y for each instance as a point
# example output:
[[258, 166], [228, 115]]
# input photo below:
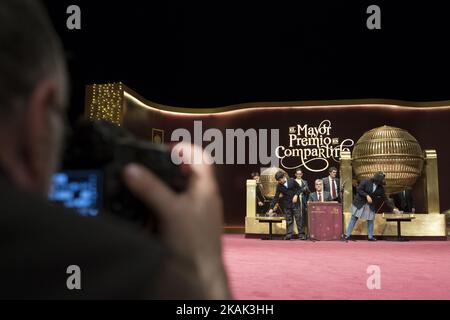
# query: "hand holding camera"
[[190, 224]]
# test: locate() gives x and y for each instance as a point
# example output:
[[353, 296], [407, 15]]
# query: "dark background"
[[219, 53]]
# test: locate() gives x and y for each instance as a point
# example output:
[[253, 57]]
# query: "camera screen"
[[77, 189]]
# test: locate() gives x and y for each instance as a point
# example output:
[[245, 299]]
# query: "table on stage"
[[270, 220], [399, 218]]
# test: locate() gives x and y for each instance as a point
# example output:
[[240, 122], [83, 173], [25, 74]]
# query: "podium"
[[325, 220]]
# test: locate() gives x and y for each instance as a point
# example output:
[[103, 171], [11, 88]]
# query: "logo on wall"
[[312, 147], [158, 136]]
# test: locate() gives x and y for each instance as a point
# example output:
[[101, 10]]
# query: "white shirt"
[[374, 187]]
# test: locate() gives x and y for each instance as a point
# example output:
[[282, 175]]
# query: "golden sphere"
[[267, 178], [391, 150]]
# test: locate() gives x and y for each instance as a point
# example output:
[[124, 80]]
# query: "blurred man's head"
[[318, 184], [333, 172], [280, 177], [33, 85]]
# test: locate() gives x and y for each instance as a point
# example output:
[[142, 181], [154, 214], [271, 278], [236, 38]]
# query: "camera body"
[[107, 148]]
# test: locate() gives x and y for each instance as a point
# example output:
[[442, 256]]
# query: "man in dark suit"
[[303, 203], [363, 203], [319, 195], [354, 186], [404, 201], [331, 184], [289, 202]]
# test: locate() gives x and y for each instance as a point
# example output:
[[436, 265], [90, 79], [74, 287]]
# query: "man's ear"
[[37, 133]]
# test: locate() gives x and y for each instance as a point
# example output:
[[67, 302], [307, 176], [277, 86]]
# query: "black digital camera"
[[92, 176]]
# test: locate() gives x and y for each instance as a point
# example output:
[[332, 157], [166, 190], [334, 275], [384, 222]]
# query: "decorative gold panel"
[[105, 102], [251, 198], [346, 178], [431, 182], [424, 225]]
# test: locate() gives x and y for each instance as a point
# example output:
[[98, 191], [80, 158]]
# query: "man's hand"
[[260, 204], [413, 210], [295, 199], [270, 212], [369, 199], [190, 228], [396, 211]]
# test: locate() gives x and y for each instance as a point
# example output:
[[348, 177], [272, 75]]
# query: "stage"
[[297, 270]]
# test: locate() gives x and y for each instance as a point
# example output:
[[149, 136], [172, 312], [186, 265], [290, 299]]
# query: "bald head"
[[30, 51]]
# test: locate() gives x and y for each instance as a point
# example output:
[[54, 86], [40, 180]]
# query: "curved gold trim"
[[386, 103]]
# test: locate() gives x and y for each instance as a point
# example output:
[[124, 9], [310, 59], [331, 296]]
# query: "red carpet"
[[298, 270]]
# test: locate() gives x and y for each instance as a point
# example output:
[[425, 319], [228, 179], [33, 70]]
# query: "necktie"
[[320, 196], [333, 189]]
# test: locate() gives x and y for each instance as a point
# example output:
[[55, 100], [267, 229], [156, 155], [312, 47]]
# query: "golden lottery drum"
[[391, 150], [267, 178]]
